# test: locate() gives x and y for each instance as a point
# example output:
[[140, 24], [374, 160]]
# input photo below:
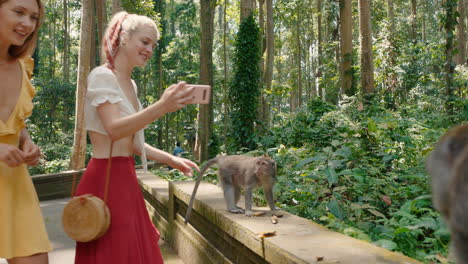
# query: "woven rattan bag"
[[87, 217]]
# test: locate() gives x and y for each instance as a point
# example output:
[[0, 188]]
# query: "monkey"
[[448, 168], [237, 171]]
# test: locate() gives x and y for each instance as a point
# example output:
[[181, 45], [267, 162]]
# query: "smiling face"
[[139, 46], [19, 20]]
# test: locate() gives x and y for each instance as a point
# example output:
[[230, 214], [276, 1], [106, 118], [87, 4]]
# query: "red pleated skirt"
[[132, 237]]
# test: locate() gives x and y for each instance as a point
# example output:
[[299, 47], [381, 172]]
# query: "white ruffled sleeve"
[[102, 87]]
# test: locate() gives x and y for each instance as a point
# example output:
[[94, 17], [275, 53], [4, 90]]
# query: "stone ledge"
[[217, 236], [54, 186], [58, 185]]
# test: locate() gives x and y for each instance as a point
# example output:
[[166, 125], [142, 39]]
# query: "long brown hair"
[[29, 44]]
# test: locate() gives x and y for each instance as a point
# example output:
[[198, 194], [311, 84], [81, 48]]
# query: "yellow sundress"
[[22, 229]]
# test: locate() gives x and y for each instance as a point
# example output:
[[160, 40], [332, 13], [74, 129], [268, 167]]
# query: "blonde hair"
[[123, 22], [29, 44]]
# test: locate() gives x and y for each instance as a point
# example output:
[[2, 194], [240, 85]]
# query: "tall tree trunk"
[[392, 78], [54, 45], [461, 33], [319, 43], [346, 46], [279, 69], [205, 114], [261, 22], [293, 96], [101, 23], [423, 17], [49, 54], [391, 15], [160, 8], [65, 62], [367, 64], [246, 8], [336, 38], [299, 57], [225, 82], [116, 6], [93, 35], [171, 9], [262, 97], [450, 22], [270, 55], [311, 60], [413, 20], [79, 141], [65, 65]]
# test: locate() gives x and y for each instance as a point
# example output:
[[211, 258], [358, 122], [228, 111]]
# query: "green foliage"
[[54, 107], [56, 157], [244, 88], [138, 7], [185, 41], [364, 175], [302, 127]]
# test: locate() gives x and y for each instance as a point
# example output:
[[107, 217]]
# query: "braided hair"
[[122, 22]]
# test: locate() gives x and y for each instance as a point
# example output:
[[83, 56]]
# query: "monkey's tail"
[[195, 188]]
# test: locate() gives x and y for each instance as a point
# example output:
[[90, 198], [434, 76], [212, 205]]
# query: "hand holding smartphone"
[[201, 93]]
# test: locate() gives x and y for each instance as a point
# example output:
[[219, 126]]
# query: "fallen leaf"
[[274, 219], [360, 107], [279, 215], [259, 213], [266, 234], [387, 200], [320, 258]]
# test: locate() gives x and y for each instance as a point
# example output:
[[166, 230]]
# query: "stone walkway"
[[63, 247]]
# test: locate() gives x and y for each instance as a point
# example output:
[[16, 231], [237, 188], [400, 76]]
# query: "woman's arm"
[[174, 98], [181, 164], [31, 151]]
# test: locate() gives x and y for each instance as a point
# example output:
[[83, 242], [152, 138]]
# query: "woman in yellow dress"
[[23, 237]]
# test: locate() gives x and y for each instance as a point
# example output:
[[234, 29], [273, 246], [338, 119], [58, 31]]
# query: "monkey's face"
[[266, 168]]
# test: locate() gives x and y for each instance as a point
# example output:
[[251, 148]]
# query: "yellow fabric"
[[22, 229]]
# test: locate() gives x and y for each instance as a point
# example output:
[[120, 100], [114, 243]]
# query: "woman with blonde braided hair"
[[114, 115]]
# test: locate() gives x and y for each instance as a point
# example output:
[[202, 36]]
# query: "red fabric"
[[132, 237]]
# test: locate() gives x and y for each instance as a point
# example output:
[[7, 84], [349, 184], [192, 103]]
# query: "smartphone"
[[201, 93]]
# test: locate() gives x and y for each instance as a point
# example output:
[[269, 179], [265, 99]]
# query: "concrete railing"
[[216, 236], [56, 185]]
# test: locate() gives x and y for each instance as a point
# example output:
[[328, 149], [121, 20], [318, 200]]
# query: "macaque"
[[241, 171], [448, 167]]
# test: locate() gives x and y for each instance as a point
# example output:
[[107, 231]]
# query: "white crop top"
[[103, 87]]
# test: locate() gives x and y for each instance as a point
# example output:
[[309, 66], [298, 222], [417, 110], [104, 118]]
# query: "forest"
[[348, 96]]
